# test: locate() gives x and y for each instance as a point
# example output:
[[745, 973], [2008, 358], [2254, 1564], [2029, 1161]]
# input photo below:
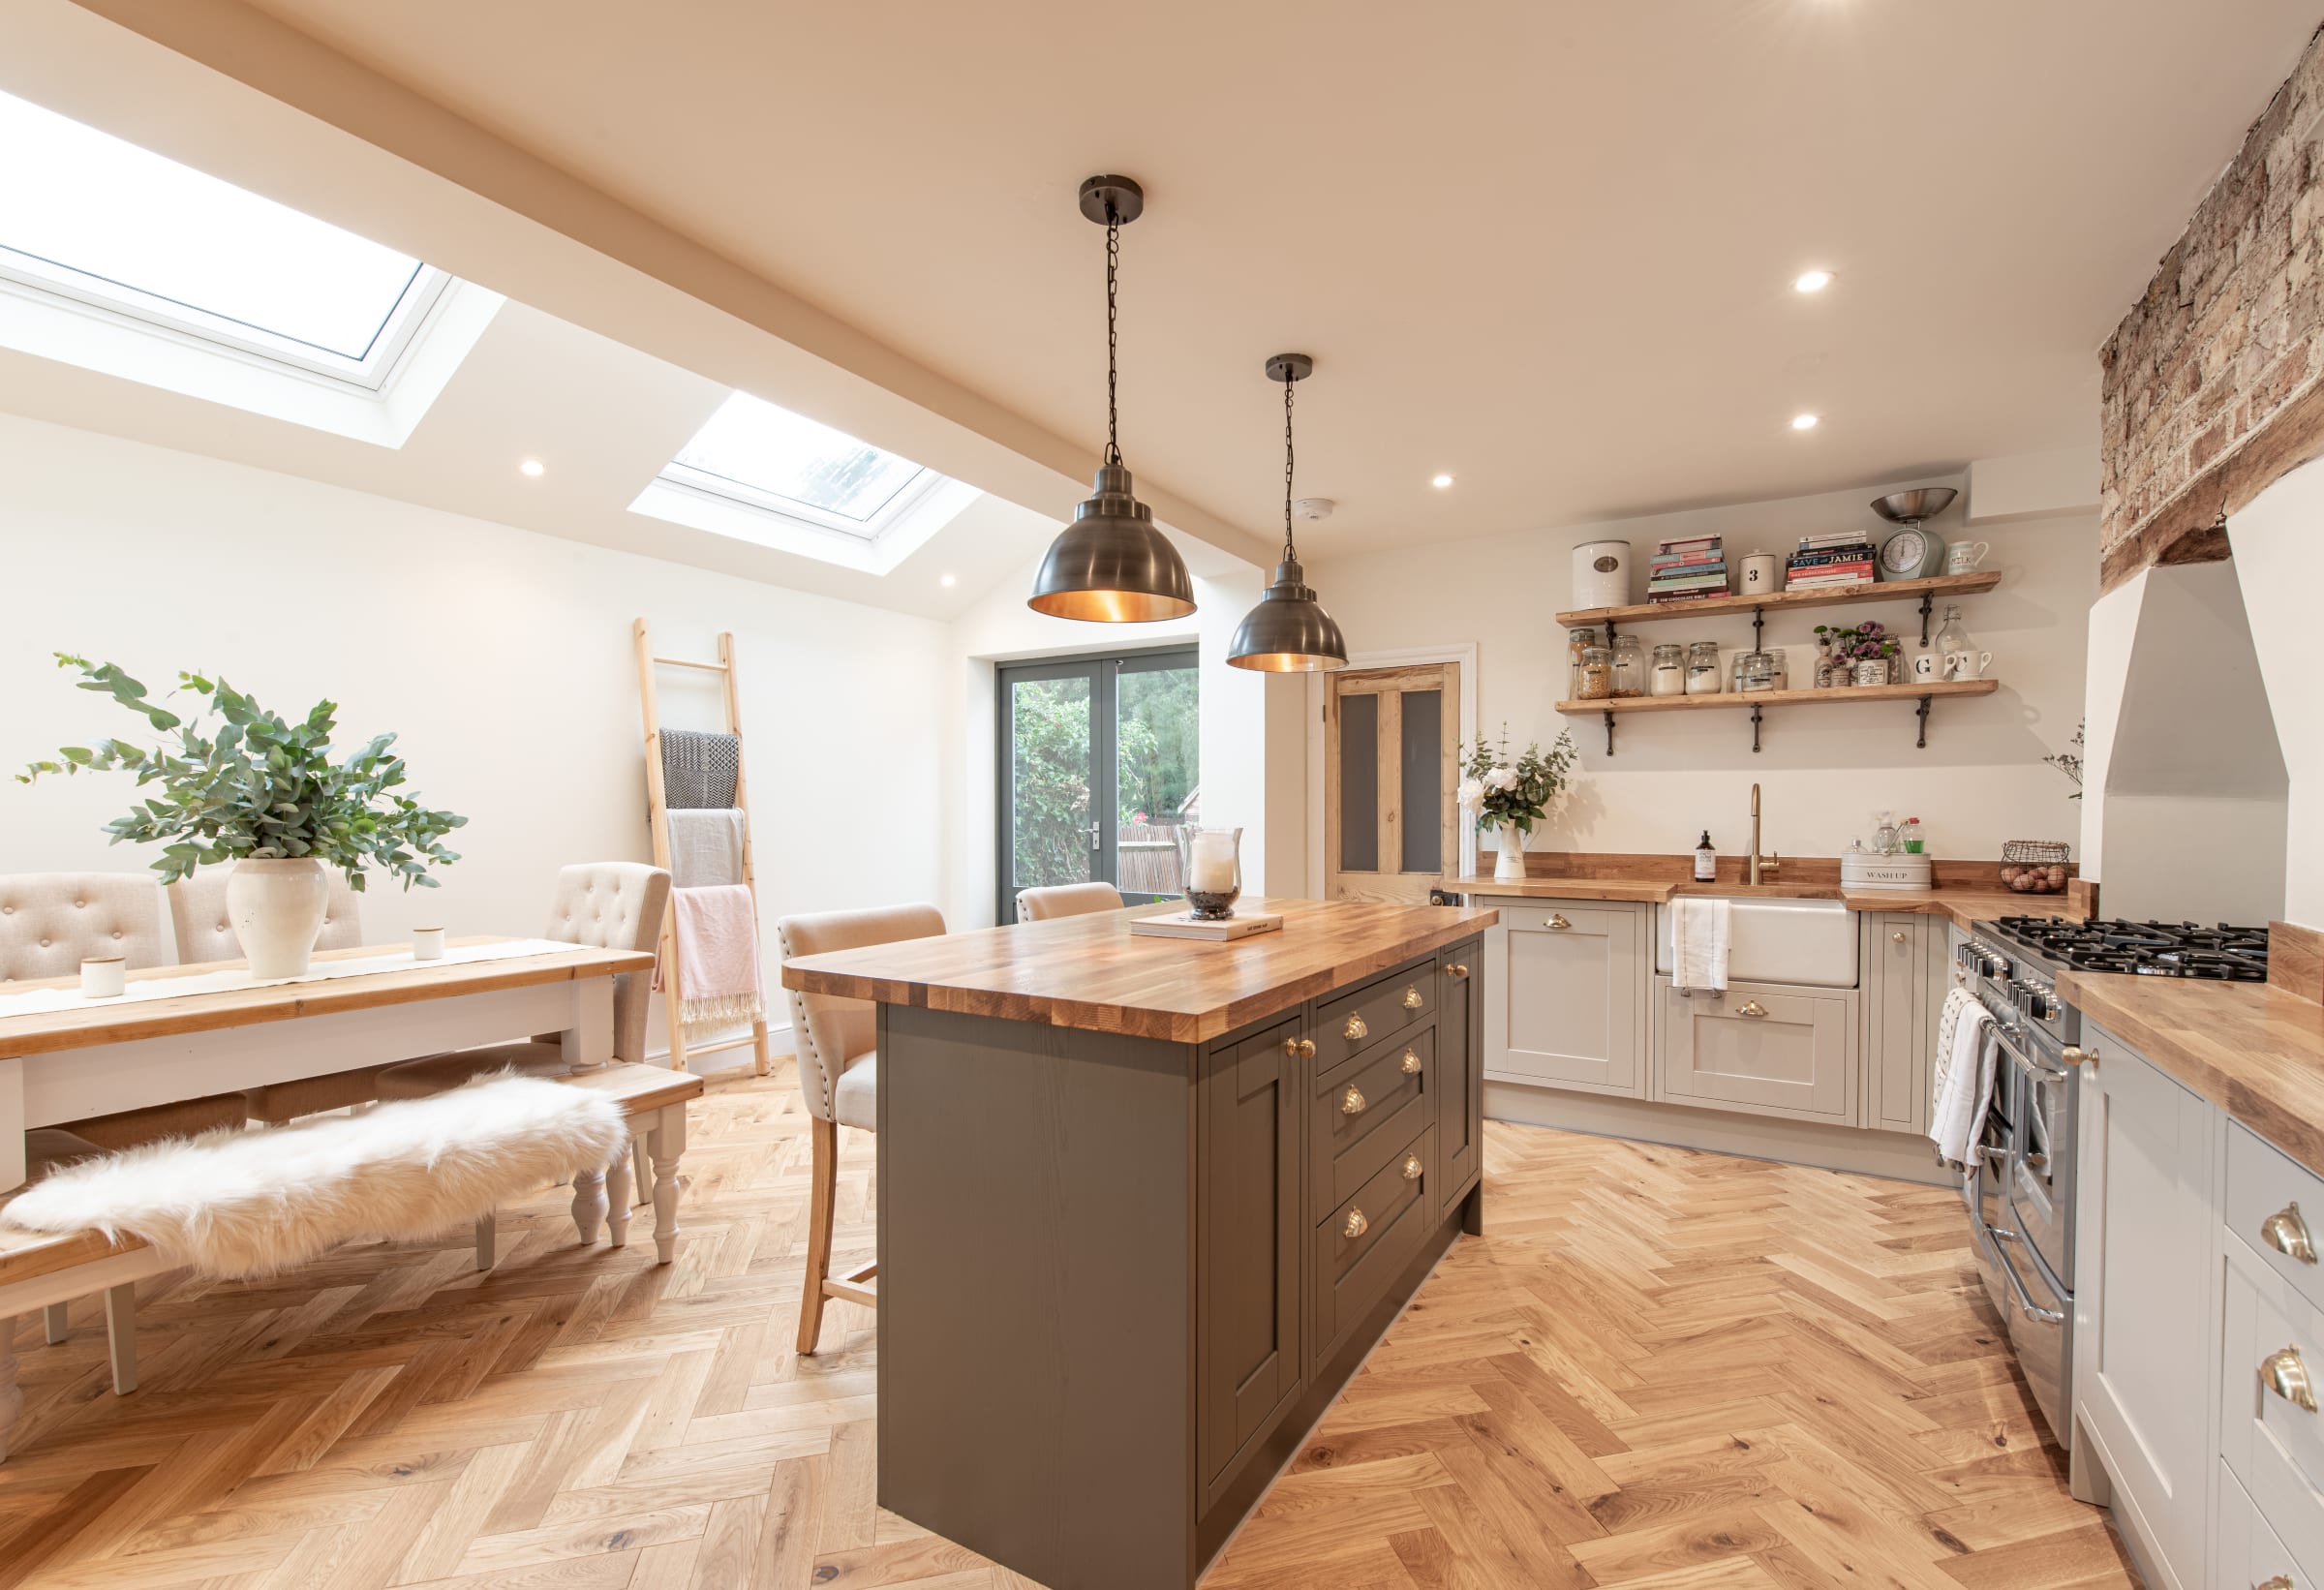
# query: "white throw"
[[1699, 927], [706, 847], [1965, 1091], [235, 1203]]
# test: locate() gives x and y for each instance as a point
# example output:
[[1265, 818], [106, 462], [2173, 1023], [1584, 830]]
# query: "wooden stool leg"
[[488, 1240], [617, 1201], [121, 1336], [53, 1324], [822, 1192], [11, 1400], [669, 1142], [641, 1170], [589, 1204]]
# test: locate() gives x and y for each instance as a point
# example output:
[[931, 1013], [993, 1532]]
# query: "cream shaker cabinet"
[[1566, 1000], [1761, 1048], [1903, 988]]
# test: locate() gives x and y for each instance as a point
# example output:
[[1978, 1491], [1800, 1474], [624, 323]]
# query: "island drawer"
[[2277, 1207], [1365, 1244], [1365, 1111], [1379, 1010]]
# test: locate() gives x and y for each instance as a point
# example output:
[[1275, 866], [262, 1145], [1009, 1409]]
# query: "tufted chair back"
[[51, 922], [615, 906], [1066, 900], [198, 911], [827, 1030]]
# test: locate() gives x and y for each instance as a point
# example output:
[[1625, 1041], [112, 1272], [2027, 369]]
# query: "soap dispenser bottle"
[[1706, 861]]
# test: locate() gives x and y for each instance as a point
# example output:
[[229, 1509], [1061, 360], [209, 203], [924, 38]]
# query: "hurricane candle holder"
[[1211, 863]]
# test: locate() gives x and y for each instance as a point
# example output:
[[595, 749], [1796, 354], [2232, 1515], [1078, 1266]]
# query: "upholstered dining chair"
[[1066, 900], [49, 923], [839, 1077], [206, 933], [604, 905]]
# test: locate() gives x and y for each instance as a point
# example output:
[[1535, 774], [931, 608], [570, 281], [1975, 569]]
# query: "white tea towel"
[[1960, 1109], [719, 981], [706, 847], [1941, 1063], [1700, 925]]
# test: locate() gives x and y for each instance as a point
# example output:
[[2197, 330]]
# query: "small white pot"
[[1509, 861], [276, 907]]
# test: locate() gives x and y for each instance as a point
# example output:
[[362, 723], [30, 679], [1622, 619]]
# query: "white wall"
[[2275, 541], [501, 659], [1826, 770]]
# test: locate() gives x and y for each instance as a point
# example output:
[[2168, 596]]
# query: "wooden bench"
[[37, 1271]]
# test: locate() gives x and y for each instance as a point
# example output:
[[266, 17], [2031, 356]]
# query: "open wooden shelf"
[[1924, 591], [1756, 700]]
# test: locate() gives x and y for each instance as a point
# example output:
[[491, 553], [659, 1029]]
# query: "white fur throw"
[[234, 1203]]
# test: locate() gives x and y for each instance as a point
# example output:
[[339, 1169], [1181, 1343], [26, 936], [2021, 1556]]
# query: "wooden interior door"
[[1391, 744]]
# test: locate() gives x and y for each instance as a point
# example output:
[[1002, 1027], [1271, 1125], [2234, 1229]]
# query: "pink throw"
[[719, 979]]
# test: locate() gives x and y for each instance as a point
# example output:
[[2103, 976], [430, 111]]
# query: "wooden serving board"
[[1186, 924]]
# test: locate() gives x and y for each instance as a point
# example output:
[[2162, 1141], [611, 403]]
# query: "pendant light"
[[1287, 632], [1110, 564]]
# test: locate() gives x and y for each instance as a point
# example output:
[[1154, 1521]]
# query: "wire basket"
[[2035, 867]]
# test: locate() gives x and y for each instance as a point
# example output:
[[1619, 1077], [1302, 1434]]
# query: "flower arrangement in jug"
[[1501, 791]]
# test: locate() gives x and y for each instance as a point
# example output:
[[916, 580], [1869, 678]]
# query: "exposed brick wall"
[[2210, 387]]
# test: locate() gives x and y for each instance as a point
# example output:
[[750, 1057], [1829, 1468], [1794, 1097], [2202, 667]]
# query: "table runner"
[[234, 980]]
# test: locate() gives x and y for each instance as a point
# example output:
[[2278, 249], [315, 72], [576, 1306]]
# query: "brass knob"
[[1412, 1066], [2074, 1056], [1897, 935], [1356, 1031], [1291, 1049], [1351, 1102], [1306, 1049], [1751, 1007], [1458, 970], [1413, 999], [2283, 1373], [1558, 921], [1357, 1225], [2287, 1234], [1411, 1167]]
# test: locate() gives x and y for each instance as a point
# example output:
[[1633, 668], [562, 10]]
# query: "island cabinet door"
[[1564, 997], [1460, 1068], [1248, 1236]]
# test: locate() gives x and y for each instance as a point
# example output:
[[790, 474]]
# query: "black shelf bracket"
[[1609, 729], [1922, 744], [1755, 729], [1928, 600], [1609, 635], [1759, 622]]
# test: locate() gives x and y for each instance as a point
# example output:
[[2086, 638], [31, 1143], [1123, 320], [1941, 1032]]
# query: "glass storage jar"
[[1629, 666], [1755, 671], [1666, 673], [1597, 679], [1702, 669], [1578, 641]]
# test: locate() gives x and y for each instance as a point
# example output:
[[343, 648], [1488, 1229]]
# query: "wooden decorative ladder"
[[658, 817]]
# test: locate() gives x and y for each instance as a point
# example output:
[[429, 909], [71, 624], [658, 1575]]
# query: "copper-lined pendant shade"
[[1287, 632], [1112, 565]]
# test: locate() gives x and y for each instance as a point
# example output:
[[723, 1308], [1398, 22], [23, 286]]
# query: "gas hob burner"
[[2219, 952]]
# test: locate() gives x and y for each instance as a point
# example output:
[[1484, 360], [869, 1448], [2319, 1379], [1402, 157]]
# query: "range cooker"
[[2019, 1182]]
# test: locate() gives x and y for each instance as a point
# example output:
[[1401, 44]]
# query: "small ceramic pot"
[[103, 979], [427, 943], [276, 907]]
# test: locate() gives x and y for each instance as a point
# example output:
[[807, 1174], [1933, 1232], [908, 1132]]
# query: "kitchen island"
[[1145, 1205]]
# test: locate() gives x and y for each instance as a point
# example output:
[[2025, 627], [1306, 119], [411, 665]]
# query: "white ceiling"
[[1545, 248]]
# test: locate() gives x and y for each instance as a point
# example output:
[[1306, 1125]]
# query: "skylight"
[[771, 452], [94, 218]]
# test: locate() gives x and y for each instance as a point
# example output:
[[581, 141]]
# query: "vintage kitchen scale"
[[1913, 552]]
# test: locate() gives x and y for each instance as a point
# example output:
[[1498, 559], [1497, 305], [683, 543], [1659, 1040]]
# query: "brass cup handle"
[[2073, 1055], [1751, 1007], [2283, 1373], [2287, 1234], [1357, 1225], [1357, 1030], [1299, 1049], [1413, 999], [1558, 921], [1458, 970], [1411, 1167], [2282, 1581], [1898, 937], [1351, 1102], [1412, 1068]]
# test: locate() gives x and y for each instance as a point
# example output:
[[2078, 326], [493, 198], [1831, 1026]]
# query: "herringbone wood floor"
[[1660, 1369]]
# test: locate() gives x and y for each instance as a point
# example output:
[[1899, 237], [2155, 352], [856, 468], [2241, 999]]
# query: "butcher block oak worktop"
[[1092, 972]]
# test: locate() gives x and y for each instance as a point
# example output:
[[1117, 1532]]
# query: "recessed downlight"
[[948, 580], [532, 467], [1441, 481], [1814, 281], [1805, 423]]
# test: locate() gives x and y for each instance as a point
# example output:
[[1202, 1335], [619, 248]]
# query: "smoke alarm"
[[1313, 509]]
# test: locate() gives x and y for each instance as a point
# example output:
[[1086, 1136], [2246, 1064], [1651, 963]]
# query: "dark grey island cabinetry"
[[1145, 1203]]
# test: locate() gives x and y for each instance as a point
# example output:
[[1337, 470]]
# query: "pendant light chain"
[[1291, 554], [1112, 334]]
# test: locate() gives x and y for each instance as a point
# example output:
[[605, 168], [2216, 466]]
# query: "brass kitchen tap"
[[1772, 861]]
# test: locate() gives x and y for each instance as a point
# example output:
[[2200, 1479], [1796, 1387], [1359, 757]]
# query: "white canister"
[[427, 943], [1762, 574], [1602, 574], [105, 978]]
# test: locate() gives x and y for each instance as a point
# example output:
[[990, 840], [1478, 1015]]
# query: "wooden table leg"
[[11, 1400], [617, 1201], [121, 1336], [589, 1204], [669, 1142], [12, 1122], [587, 1043]]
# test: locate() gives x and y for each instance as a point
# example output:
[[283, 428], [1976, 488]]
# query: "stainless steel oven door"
[[2042, 1161], [1984, 1189], [2040, 1320]]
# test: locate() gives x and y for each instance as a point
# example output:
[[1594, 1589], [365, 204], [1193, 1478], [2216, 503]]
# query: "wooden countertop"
[[2252, 1048], [1090, 972], [1961, 906]]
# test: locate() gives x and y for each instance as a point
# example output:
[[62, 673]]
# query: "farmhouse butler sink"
[[1808, 941]]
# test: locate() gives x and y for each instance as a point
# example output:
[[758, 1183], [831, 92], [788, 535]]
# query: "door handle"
[[2287, 1234], [1898, 937], [1457, 971], [1094, 847], [1356, 1029], [1412, 1062], [1558, 921], [1351, 1102], [1751, 1007], [2072, 1054], [2282, 1581], [1411, 1167], [1413, 999], [2283, 1373], [1306, 1049], [1357, 1225]]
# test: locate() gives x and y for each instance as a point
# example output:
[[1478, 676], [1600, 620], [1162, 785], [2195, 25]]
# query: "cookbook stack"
[[1685, 569], [1823, 562]]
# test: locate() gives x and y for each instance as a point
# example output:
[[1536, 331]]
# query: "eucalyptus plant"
[[258, 787]]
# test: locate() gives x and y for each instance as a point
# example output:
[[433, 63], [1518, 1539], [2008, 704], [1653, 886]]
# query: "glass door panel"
[[1422, 757], [1052, 836], [1157, 736]]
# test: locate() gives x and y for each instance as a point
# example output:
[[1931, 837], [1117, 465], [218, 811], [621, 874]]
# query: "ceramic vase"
[[1509, 861], [276, 907]]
